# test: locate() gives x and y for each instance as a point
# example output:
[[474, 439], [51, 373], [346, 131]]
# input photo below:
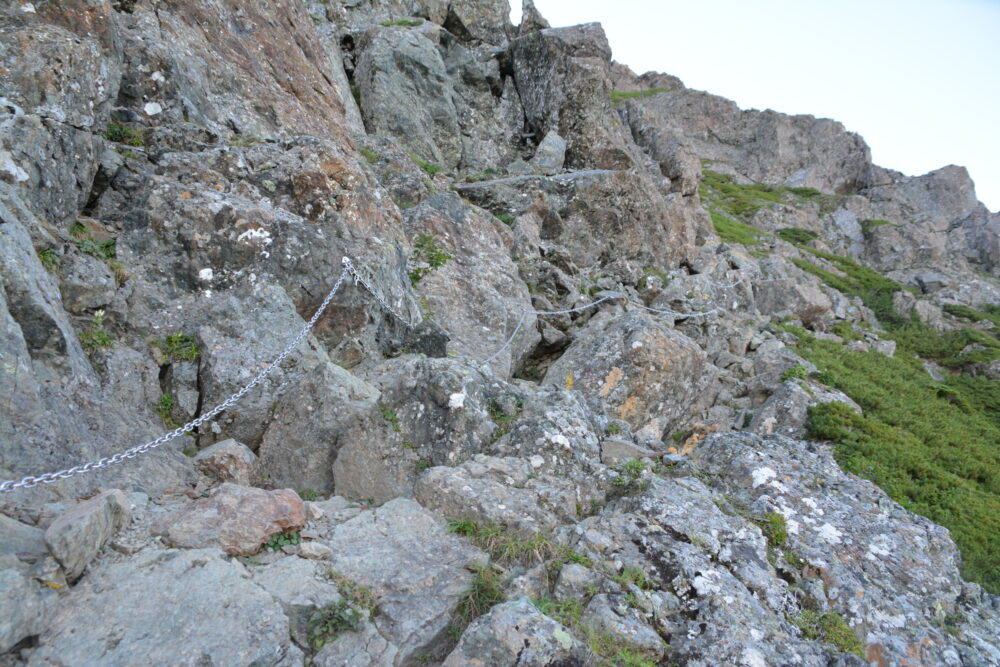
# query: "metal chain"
[[361, 280], [49, 477]]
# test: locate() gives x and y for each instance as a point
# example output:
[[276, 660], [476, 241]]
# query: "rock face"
[[557, 413]]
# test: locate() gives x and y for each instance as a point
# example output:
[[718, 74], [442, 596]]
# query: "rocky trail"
[[614, 373]]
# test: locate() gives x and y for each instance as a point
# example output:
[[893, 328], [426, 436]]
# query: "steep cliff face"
[[593, 389]]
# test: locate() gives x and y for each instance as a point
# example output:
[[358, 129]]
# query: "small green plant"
[[629, 473], [774, 528], [285, 539], [793, 559], [429, 168], [177, 347], [501, 419], [484, 592], [390, 416], [869, 226], [796, 235], [614, 428], [568, 612], [505, 218], [632, 576], [123, 134], [798, 371], [506, 547], [369, 155], [103, 250], [94, 337], [165, 410], [422, 465], [49, 258], [243, 141], [405, 23], [619, 96], [308, 494], [360, 596], [831, 628], [327, 622], [428, 255]]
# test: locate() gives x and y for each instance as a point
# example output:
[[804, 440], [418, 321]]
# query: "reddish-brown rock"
[[236, 519]]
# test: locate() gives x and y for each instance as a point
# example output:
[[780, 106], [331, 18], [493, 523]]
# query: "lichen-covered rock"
[[27, 605], [236, 519], [635, 368], [145, 605], [515, 633]]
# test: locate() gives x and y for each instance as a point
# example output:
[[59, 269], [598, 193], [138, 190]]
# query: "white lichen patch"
[[763, 475], [258, 236], [152, 108], [830, 534], [206, 275], [457, 400]]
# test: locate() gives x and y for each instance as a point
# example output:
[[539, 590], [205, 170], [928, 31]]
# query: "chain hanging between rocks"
[[49, 477]]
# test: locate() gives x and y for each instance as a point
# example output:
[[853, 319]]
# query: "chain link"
[[359, 279], [49, 477]]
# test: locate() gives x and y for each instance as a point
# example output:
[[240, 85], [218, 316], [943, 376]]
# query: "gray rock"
[[415, 569], [27, 606], [616, 450], [77, 534], [227, 461], [550, 154], [301, 587], [786, 411], [615, 617], [21, 540], [515, 633], [308, 430], [146, 603], [574, 582]]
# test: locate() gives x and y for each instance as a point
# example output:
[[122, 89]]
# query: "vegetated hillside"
[[616, 373]]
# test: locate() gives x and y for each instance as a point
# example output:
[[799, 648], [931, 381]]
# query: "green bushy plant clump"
[[49, 258], [487, 174], [484, 592], [280, 540], [165, 410], [868, 226], [506, 547], [430, 168], [123, 134], [830, 628], [429, 254], [370, 156], [506, 218], [619, 96], [94, 337], [326, 623], [177, 347], [797, 371], [774, 529], [796, 235], [738, 201], [650, 272]]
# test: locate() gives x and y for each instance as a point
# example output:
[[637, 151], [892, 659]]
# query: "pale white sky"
[[918, 79]]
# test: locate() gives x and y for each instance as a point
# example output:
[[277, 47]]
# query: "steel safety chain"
[[360, 279], [49, 477]]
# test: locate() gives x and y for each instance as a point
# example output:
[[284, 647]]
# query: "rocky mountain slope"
[[623, 374]]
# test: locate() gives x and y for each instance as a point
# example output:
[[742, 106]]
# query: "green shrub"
[[390, 416], [326, 623], [94, 337], [506, 547], [123, 134], [797, 371], [774, 528], [868, 226], [505, 218], [165, 410], [429, 167], [481, 596], [369, 155]]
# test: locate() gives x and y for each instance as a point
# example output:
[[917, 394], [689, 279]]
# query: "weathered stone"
[[146, 604], [236, 519], [515, 633], [27, 606], [616, 450], [637, 369], [415, 569], [550, 154], [21, 540], [301, 587], [227, 461], [314, 551], [76, 536], [618, 619]]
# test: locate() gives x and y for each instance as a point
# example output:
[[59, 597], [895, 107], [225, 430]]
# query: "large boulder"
[[167, 608], [77, 534], [636, 369]]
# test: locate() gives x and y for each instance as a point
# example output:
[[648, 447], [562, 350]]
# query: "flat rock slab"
[[416, 570], [77, 534], [168, 608], [236, 519]]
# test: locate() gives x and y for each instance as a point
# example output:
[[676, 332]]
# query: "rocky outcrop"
[[557, 414]]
